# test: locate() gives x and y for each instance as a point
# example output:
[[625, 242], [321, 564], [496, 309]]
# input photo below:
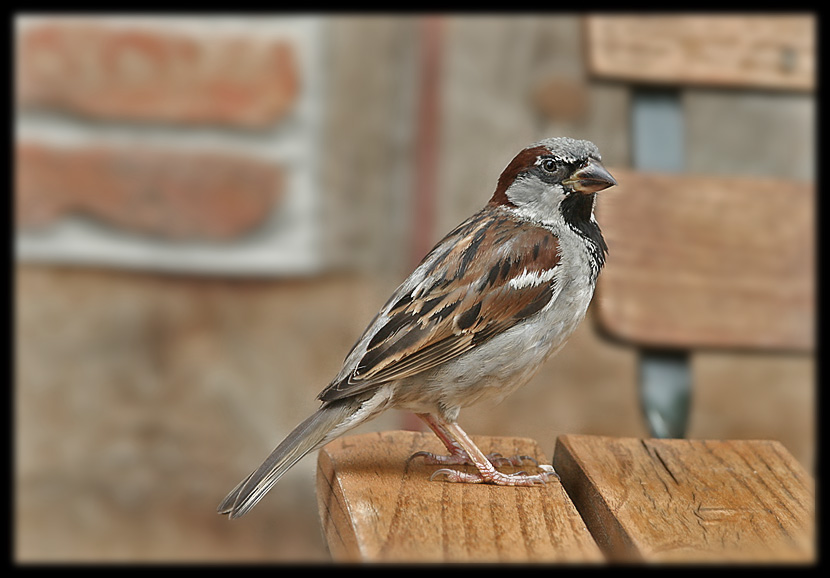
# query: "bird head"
[[552, 180]]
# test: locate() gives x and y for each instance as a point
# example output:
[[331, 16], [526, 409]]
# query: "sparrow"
[[475, 320]]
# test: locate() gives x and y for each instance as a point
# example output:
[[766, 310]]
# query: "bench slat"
[[376, 505]]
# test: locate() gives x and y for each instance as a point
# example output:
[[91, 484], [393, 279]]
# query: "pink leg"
[[457, 454], [459, 457], [464, 452]]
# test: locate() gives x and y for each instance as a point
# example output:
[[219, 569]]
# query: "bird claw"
[[422, 454], [548, 470], [443, 471]]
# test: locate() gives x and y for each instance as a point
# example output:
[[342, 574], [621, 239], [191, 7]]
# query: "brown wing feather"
[[454, 314]]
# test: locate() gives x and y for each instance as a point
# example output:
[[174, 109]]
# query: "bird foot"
[[460, 458], [499, 478]]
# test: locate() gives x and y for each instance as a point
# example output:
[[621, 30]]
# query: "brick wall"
[[168, 143], [132, 73]]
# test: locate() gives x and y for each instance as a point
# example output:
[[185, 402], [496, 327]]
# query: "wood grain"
[[758, 51], [690, 500], [712, 262], [377, 505]]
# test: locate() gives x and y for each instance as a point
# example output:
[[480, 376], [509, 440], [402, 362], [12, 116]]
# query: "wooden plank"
[[377, 505], [755, 51], [699, 261], [690, 500]]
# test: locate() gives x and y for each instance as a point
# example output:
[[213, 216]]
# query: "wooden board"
[[754, 51], [377, 505], [690, 500], [699, 261]]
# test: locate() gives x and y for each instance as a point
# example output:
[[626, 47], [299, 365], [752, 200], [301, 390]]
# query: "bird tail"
[[306, 437]]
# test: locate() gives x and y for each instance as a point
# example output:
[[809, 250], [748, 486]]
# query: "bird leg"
[[464, 452], [458, 456]]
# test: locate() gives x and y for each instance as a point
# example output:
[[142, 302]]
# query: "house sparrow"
[[496, 297]]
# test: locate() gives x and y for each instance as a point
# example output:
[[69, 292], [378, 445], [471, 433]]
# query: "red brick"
[[170, 194], [142, 75]]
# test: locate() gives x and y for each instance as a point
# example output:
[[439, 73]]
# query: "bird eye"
[[549, 165]]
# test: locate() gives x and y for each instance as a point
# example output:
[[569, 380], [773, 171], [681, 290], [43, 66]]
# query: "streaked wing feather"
[[430, 324]]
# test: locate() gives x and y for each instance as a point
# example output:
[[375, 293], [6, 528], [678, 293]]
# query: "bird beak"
[[590, 178]]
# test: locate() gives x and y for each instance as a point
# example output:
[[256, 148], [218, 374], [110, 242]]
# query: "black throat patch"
[[576, 211]]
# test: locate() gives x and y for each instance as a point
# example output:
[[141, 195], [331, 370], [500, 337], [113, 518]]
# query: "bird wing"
[[454, 300]]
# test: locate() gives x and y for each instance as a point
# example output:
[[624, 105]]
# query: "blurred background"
[[209, 210]]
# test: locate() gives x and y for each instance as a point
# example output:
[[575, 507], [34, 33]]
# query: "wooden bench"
[[703, 261], [619, 500]]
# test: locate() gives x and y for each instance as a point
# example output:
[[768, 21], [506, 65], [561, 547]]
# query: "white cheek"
[[537, 202]]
